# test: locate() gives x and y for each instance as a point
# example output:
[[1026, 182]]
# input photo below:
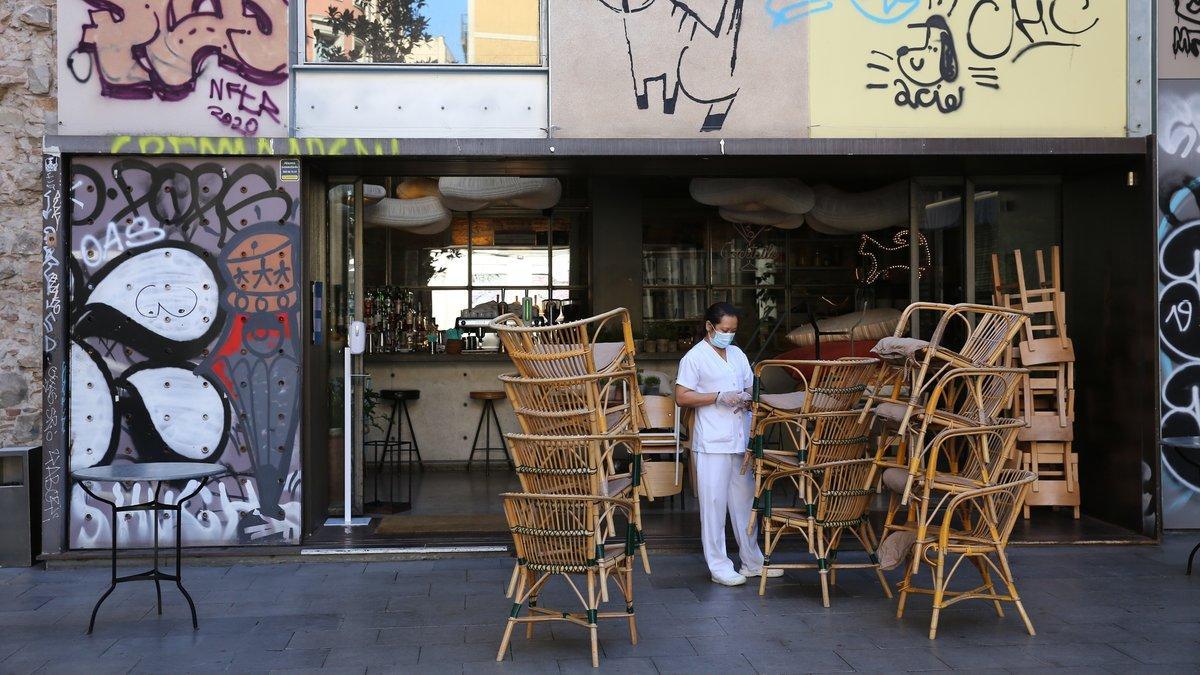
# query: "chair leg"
[[475, 442], [982, 566], [533, 600], [512, 619], [872, 544], [1191, 556], [500, 433], [592, 609], [1012, 590], [412, 435], [938, 594], [633, 635], [823, 569], [512, 582]]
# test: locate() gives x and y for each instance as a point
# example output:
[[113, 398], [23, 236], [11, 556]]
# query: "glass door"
[[344, 306]]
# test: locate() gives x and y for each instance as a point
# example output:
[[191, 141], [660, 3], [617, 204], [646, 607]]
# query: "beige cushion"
[[869, 325], [895, 548], [892, 412], [615, 486], [894, 349], [790, 401], [604, 353], [895, 479]]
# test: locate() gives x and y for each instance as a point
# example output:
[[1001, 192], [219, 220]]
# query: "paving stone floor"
[[1096, 609]]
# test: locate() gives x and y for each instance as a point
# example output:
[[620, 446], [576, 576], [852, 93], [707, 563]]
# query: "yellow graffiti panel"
[[956, 68]]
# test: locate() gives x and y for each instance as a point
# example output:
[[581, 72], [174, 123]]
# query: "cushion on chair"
[[790, 401], [894, 548], [616, 486], [895, 349], [604, 353], [892, 412], [895, 479]]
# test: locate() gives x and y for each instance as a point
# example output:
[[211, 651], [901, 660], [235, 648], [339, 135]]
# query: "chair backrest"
[[990, 332], [660, 412], [980, 396], [979, 455], [585, 404], [844, 493], [839, 436], [602, 343], [993, 510], [833, 386], [576, 465], [554, 533]]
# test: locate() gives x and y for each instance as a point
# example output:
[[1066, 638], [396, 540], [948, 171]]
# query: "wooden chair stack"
[[825, 458], [1046, 447], [576, 398]]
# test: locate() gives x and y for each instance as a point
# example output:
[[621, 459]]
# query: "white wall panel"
[[421, 102]]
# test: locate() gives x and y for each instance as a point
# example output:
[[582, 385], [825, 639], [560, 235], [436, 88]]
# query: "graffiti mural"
[[225, 64], [184, 341], [989, 67], [54, 393], [1179, 295], [686, 47]]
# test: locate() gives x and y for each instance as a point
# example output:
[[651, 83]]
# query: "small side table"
[[1185, 444], [157, 473]]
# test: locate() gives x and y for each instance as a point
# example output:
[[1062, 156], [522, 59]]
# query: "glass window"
[[1011, 216], [464, 32], [501, 253]]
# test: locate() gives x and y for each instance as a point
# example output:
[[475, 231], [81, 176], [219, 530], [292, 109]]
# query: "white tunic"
[[717, 428]]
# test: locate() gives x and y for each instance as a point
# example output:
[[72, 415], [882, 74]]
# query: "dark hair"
[[716, 312]]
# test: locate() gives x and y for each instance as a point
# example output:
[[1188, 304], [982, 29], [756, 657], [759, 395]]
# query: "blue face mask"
[[722, 340]]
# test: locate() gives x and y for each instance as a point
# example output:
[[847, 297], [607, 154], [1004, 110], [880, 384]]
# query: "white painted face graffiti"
[[185, 408], [169, 291], [92, 413]]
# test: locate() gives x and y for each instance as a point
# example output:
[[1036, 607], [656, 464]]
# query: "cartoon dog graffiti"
[[689, 47], [927, 72]]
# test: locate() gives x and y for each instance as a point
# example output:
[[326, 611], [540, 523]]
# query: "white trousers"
[[722, 489]]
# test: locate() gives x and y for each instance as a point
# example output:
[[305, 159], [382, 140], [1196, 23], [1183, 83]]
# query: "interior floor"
[[463, 508]]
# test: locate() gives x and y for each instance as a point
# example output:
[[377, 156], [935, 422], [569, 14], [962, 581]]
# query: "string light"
[[900, 239]]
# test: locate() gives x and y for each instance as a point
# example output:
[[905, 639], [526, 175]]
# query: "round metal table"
[[1185, 444], [157, 473]]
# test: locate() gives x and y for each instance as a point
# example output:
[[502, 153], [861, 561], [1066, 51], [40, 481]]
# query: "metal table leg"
[[156, 575]]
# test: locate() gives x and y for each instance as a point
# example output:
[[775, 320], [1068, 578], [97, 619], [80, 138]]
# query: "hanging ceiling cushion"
[[818, 226], [784, 221], [423, 215], [868, 325], [343, 193], [471, 193], [786, 195], [861, 211]]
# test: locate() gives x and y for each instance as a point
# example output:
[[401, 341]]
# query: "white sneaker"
[[730, 579], [771, 573]]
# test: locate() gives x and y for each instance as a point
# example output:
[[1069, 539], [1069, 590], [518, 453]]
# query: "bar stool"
[[402, 450], [485, 423]]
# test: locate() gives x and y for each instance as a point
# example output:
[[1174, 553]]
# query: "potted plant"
[[650, 385]]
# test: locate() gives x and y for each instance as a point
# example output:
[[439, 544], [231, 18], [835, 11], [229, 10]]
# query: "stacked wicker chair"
[[824, 458], [580, 410], [564, 535], [944, 443]]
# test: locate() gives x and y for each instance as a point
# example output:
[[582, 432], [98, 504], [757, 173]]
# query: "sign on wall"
[[184, 342], [207, 69], [837, 68]]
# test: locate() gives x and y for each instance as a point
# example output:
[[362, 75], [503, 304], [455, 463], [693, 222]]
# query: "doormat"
[[400, 524]]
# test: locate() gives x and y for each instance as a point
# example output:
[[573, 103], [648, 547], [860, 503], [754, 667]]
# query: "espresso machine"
[[477, 335]]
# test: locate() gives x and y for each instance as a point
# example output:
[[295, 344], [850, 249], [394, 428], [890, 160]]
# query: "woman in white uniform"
[[715, 379]]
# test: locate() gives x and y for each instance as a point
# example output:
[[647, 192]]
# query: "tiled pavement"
[[1097, 609]]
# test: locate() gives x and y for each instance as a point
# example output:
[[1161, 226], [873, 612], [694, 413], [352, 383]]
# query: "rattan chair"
[[963, 398], [822, 422], [957, 460], [598, 403], [984, 518], [912, 368], [563, 535], [581, 465], [841, 494], [568, 349]]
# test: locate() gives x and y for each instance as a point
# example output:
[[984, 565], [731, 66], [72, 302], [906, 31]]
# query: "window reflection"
[[472, 32]]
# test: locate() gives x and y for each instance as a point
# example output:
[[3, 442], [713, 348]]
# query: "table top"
[[150, 471], [1182, 442]]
